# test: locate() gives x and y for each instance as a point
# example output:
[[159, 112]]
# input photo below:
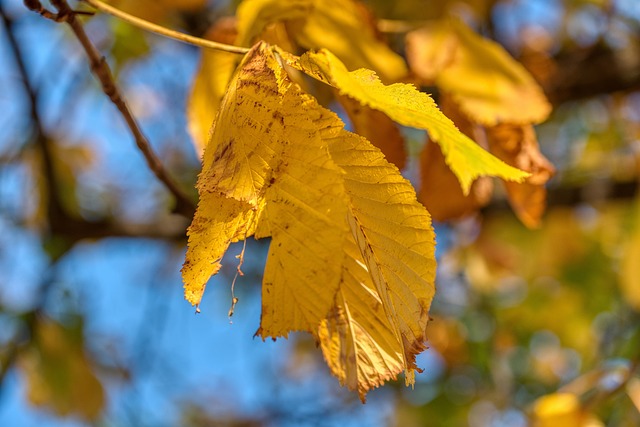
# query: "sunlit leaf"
[[280, 165], [396, 241], [345, 27], [378, 128], [356, 338], [407, 106], [254, 16], [488, 84], [439, 190]]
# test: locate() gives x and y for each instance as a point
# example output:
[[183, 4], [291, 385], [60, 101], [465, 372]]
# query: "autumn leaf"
[[396, 241], [377, 128], [210, 83], [58, 373], [439, 190], [356, 337], [349, 239], [518, 146], [254, 16], [407, 106], [344, 27], [488, 84]]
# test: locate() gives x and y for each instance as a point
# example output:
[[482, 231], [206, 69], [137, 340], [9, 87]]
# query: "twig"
[[196, 41], [102, 72]]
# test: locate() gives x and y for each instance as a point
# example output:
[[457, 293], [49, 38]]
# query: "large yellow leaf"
[[306, 209], [356, 338], [245, 145], [396, 241], [489, 85], [347, 231], [266, 160], [409, 107]]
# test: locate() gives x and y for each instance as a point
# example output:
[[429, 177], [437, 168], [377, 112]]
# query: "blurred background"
[[93, 326]]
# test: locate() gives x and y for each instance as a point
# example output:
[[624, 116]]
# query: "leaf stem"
[[158, 29]]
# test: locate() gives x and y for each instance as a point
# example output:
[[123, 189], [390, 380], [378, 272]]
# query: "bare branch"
[[102, 72]]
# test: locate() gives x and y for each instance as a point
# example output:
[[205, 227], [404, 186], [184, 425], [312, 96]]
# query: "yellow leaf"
[[356, 338], [439, 191], [488, 84], [305, 213], [347, 231], [378, 128], [409, 107], [345, 27], [396, 241], [59, 374], [245, 145], [254, 16], [558, 410], [209, 85]]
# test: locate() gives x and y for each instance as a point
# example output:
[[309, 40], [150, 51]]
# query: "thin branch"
[[102, 72], [163, 31]]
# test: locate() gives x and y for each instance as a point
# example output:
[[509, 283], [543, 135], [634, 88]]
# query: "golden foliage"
[[407, 106], [280, 165], [439, 190], [487, 83]]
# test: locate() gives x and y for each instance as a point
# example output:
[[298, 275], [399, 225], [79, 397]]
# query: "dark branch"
[[102, 72], [59, 221]]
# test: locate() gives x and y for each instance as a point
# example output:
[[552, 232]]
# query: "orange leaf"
[[440, 191], [517, 146]]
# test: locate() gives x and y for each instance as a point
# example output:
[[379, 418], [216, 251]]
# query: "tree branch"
[[102, 72], [163, 31]]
